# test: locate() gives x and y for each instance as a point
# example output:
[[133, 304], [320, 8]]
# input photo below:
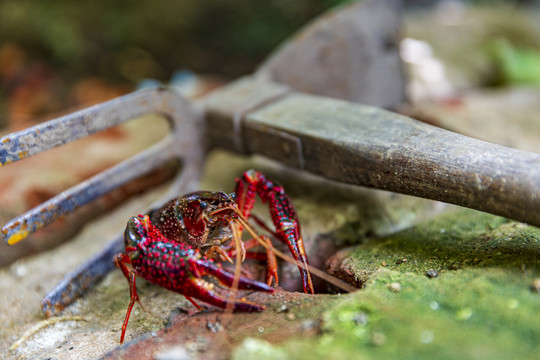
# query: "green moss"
[[474, 313], [462, 238], [479, 306], [515, 64]]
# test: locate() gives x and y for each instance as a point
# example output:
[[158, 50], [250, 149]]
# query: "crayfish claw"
[[227, 278], [202, 290]]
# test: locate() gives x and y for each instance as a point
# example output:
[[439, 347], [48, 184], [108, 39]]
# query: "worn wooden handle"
[[367, 146]]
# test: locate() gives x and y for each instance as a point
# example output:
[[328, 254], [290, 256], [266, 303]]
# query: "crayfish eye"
[[203, 205]]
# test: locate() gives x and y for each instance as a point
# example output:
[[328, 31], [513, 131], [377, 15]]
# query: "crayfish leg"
[[271, 265], [220, 251], [130, 274], [269, 257], [283, 215], [199, 307]]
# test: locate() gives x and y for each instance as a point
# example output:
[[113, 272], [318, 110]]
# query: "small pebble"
[[426, 336], [464, 314], [308, 324], [535, 287], [360, 319], [395, 287], [378, 338], [20, 271], [432, 273], [213, 327], [513, 304], [176, 353]]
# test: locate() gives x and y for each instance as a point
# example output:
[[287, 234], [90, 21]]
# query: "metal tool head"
[[185, 142]]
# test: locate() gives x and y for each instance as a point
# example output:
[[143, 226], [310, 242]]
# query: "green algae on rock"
[[479, 306], [461, 238]]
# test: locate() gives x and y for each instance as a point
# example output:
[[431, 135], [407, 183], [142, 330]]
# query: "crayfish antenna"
[[308, 268], [237, 267]]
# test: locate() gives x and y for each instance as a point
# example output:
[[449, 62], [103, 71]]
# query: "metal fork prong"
[[184, 142], [76, 283], [87, 191], [45, 136]]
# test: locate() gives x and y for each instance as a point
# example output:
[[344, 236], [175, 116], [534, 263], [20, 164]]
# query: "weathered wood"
[[227, 106], [371, 147]]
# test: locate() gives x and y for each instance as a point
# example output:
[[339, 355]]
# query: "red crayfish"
[[175, 245]]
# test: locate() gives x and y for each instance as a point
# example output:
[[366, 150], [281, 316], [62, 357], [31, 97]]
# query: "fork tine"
[[45, 136], [85, 192], [76, 283], [184, 142]]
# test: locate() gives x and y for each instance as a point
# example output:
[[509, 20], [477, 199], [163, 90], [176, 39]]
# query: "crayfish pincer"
[[176, 245]]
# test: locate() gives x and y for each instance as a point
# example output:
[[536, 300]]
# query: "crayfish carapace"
[[176, 245]]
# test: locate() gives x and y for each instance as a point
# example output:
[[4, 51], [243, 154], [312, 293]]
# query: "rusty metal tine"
[[45, 136], [182, 143], [85, 192], [185, 142], [76, 283]]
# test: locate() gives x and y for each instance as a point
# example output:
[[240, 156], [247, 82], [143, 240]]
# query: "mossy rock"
[[459, 239], [479, 305]]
